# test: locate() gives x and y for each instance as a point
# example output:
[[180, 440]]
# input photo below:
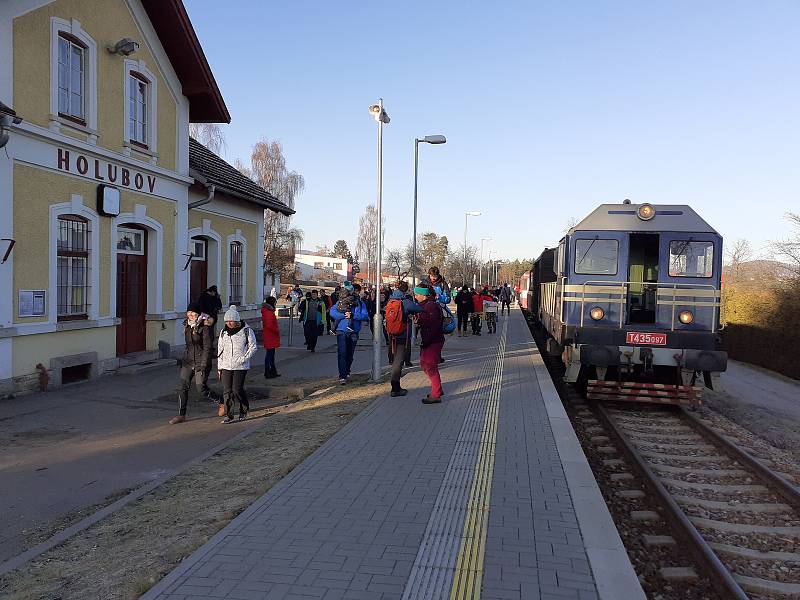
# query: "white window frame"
[[73, 28], [70, 67], [137, 232], [203, 244], [138, 69]]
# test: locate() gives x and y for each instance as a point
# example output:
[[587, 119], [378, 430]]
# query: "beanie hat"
[[348, 285], [194, 307], [232, 314]]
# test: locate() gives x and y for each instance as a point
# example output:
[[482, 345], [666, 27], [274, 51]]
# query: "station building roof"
[[623, 217], [229, 180], [176, 33], [7, 110]]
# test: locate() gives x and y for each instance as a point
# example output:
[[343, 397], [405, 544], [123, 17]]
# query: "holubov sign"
[[101, 170]]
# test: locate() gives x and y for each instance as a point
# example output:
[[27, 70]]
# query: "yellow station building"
[[111, 216]]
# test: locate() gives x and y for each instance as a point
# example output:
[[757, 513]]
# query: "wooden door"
[[132, 301]]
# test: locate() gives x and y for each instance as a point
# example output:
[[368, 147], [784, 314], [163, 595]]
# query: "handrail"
[[624, 290]]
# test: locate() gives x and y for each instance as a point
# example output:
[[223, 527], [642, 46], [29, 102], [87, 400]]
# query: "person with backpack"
[[430, 322], [463, 308], [399, 310], [237, 345], [271, 336], [195, 362], [504, 296], [311, 318], [348, 328]]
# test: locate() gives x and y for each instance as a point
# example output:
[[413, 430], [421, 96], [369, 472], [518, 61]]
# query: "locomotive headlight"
[[646, 212], [686, 317], [597, 313]]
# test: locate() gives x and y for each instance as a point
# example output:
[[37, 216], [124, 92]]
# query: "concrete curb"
[[612, 569]]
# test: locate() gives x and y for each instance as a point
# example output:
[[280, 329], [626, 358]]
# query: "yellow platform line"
[[472, 551]]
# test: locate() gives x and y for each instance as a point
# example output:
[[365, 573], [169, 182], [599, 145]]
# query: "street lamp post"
[[377, 111], [428, 139], [467, 215]]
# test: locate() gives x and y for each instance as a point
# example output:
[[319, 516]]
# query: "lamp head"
[[434, 139], [380, 115], [474, 213], [125, 47]]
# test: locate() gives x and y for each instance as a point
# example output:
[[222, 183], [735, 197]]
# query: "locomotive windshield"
[[596, 257], [688, 258]]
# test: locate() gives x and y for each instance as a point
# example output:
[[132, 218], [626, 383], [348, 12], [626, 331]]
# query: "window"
[[198, 250], [318, 265], [73, 267], [71, 83], [137, 109], [236, 274], [337, 266], [691, 259], [596, 257], [130, 241]]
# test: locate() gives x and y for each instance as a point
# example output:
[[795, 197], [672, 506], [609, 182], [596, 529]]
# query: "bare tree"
[[210, 135], [739, 253], [268, 169], [395, 262], [571, 222], [457, 269], [367, 246], [790, 248]]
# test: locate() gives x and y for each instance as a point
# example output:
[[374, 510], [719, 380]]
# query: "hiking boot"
[[428, 399], [409, 363], [221, 410], [343, 381], [275, 374], [243, 416], [176, 420], [226, 421], [398, 392]]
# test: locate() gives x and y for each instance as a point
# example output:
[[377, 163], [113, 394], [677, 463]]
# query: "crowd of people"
[[421, 313]]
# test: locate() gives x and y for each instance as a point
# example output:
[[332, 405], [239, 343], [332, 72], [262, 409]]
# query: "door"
[[643, 276], [198, 269], [131, 290]]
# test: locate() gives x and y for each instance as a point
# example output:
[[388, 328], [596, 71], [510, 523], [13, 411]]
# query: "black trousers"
[[311, 331], [505, 306], [399, 354], [200, 378], [463, 319], [233, 390]]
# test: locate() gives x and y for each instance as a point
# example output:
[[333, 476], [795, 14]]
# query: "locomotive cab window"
[[689, 258], [596, 257]]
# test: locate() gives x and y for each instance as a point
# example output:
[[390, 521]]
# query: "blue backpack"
[[448, 320]]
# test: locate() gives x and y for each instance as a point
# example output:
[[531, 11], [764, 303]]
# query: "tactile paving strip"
[[450, 559]]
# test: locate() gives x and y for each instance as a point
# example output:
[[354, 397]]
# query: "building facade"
[[312, 266], [96, 187]]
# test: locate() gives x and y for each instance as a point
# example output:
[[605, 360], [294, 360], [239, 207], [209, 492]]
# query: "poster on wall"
[[32, 303]]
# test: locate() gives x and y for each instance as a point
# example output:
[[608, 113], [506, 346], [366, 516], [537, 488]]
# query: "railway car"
[[524, 285], [630, 301]]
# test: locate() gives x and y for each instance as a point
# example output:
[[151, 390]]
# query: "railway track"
[[705, 509], [740, 518]]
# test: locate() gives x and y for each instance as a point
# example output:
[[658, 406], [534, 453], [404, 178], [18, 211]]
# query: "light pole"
[[483, 240], [467, 215], [428, 139], [376, 110]]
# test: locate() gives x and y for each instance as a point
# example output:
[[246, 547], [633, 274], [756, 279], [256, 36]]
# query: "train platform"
[[486, 495]]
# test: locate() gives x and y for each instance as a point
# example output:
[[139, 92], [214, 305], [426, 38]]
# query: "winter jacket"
[[197, 354], [360, 315], [505, 294], [477, 303], [430, 323], [463, 302], [304, 306], [235, 351], [441, 287], [272, 333], [410, 307]]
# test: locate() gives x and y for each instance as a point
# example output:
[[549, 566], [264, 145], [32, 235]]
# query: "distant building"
[[312, 266]]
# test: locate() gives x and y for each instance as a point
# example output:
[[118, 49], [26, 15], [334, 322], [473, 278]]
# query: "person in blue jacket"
[[439, 285], [348, 327]]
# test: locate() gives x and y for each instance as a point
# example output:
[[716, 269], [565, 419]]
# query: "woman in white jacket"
[[235, 346]]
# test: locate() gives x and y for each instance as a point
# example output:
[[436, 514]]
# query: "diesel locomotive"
[[630, 300]]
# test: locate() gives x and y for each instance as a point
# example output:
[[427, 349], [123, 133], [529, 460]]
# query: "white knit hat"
[[232, 314]]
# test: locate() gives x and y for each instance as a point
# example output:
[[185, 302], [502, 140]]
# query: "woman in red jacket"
[[271, 336], [432, 342]]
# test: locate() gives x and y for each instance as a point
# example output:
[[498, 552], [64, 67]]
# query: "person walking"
[[490, 313], [195, 362], [429, 321], [463, 308], [311, 318], [477, 312], [399, 310], [505, 299], [347, 328], [328, 302], [236, 345], [271, 336], [439, 285]]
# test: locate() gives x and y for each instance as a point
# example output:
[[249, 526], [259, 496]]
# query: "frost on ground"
[[127, 553], [762, 402]]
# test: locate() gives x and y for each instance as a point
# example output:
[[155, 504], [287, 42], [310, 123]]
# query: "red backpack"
[[395, 325]]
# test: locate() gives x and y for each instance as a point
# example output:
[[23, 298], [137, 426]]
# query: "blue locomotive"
[[630, 299]]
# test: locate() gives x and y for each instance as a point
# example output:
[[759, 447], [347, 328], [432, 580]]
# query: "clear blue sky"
[[549, 109]]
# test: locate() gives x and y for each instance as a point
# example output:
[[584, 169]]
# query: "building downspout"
[[211, 188]]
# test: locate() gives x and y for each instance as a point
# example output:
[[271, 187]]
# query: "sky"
[[549, 109]]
